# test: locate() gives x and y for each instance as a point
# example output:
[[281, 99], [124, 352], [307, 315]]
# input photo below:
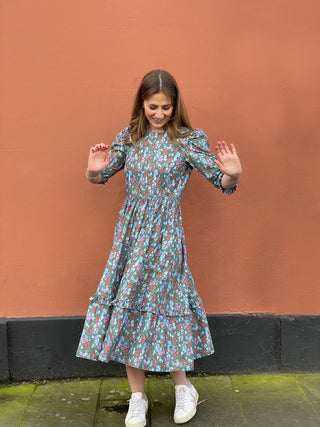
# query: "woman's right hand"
[[99, 158]]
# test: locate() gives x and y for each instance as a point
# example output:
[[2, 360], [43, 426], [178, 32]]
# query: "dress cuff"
[[227, 191]]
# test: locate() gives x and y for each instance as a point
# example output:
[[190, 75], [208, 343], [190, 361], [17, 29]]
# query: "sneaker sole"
[[139, 424], [188, 417]]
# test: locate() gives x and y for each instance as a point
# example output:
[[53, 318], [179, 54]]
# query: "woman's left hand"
[[228, 160]]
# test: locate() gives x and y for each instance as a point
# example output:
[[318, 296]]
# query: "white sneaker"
[[138, 407], [186, 403]]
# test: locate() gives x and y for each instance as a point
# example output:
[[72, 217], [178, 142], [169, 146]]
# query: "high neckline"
[[156, 133]]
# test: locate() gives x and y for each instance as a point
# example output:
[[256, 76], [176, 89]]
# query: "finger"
[[233, 149], [101, 147], [219, 164], [222, 148], [218, 148], [225, 147], [218, 152]]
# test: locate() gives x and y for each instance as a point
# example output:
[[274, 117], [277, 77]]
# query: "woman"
[[146, 312]]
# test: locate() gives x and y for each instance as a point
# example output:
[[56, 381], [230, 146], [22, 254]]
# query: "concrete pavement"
[[226, 401]]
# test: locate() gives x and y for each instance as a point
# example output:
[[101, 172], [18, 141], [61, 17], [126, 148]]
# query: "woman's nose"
[[159, 114]]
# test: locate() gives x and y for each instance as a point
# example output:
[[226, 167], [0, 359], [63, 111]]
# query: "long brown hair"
[[154, 82]]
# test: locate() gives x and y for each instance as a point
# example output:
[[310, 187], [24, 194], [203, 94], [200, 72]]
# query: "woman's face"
[[158, 110]]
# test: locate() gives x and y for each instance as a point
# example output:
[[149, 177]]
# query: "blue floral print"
[[146, 312]]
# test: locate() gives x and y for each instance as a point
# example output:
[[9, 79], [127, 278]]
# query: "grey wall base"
[[44, 348], [4, 363]]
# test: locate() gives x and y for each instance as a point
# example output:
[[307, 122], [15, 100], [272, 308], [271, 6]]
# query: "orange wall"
[[249, 73]]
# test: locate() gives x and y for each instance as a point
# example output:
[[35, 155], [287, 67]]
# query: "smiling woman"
[[158, 103], [147, 313], [158, 110]]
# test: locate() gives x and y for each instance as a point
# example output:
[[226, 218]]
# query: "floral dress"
[[146, 312]]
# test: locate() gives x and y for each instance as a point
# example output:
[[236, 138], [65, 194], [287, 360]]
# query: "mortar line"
[[238, 401], [23, 415], [306, 396], [96, 415]]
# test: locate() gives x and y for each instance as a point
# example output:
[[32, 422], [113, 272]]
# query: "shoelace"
[[181, 399], [136, 408]]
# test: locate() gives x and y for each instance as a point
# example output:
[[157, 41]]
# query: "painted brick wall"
[[249, 74]]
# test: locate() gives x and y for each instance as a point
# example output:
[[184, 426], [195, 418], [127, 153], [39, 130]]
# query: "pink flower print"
[[143, 339]]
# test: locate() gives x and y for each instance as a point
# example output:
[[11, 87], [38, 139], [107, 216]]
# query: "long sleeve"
[[118, 156], [196, 151]]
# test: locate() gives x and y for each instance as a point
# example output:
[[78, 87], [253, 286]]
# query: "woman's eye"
[[166, 108]]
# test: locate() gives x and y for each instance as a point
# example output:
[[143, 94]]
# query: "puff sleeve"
[[196, 151], [118, 156]]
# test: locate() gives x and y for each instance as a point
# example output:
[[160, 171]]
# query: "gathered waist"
[[154, 198]]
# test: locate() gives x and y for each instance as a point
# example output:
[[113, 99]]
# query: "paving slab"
[[274, 400], [63, 403], [311, 386], [160, 392], [220, 407], [14, 401], [113, 403]]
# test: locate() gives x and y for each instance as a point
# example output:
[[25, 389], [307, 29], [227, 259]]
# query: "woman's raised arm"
[[229, 163], [99, 159]]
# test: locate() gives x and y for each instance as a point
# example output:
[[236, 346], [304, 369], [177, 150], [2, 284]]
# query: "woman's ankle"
[[143, 395], [179, 378]]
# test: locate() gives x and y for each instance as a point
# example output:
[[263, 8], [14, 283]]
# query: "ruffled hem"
[[177, 309], [145, 340]]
